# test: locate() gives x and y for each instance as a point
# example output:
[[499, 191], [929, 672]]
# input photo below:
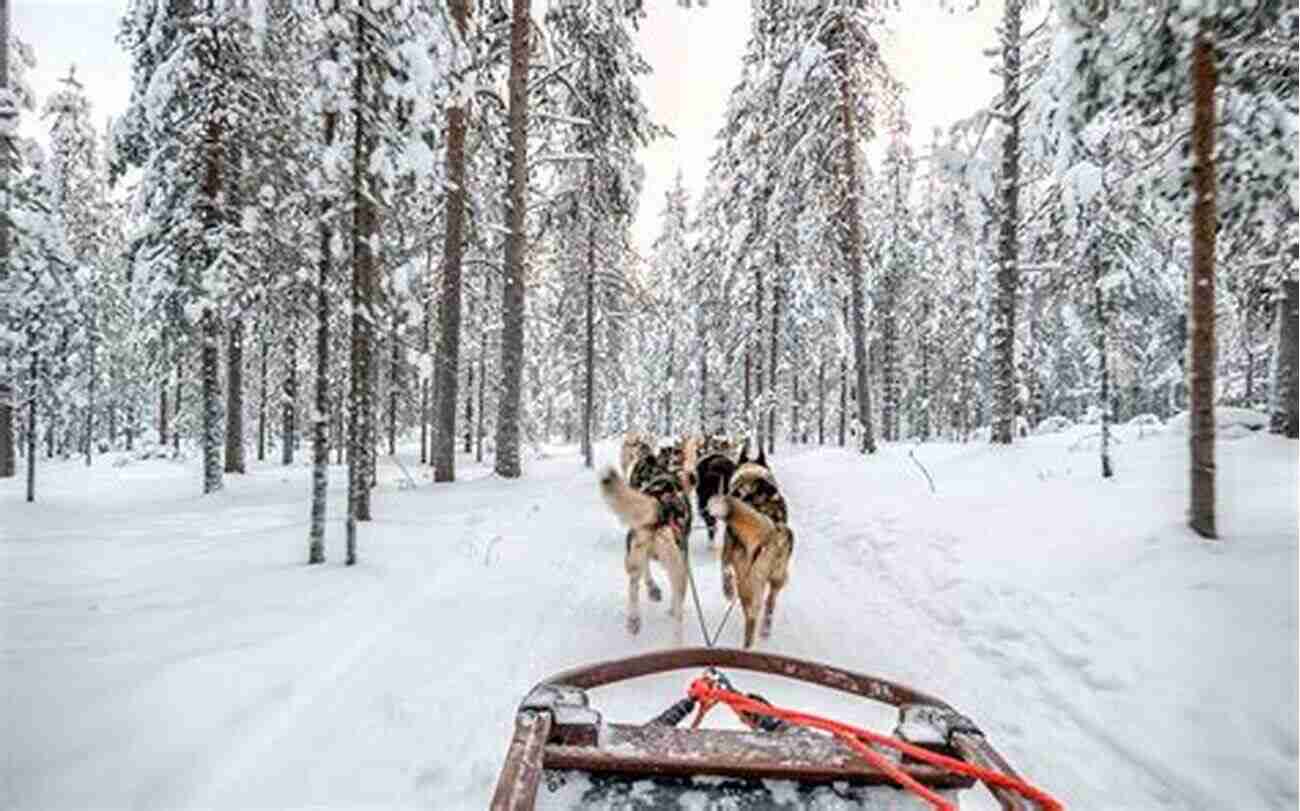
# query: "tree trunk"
[[481, 426], [162, 412], [748, 385], [1099, 302], [394, 386], [320, 417], [213, 187], [1285, 419], [8, 452], [90, 403], [444, 443], [771, 366], [424, 421], [1008, 273], [235, 397], [589, 355], [888, 320], [844, 397], [361, 405], [210, 361], [261, 403], [8, 386], [852, 182], [176, 411], [794, 404], [32, 386], [756, 416], [469, 409], [289, 395], [821, 401], [704, 386], [512, 299], [1204, 214]]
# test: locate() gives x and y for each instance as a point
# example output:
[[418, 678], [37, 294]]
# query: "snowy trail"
[[169, 651]]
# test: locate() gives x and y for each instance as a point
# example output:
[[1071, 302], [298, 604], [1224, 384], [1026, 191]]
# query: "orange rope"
[[708, 694]]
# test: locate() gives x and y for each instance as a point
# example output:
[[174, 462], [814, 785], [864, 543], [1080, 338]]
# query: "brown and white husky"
[[756, 554], [658, 521]]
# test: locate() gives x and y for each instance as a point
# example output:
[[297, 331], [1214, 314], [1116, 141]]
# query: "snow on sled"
[[565, 755]]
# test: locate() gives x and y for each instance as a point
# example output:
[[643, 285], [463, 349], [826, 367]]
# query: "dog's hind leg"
[[728, 576], [677, 577], [749, 602], [769, 608], [652, 589], [636, 564]]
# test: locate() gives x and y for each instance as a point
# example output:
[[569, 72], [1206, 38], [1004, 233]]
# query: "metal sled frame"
[[555, 728]]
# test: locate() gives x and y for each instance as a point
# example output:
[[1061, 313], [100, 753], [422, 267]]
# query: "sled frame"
[[555, 728]]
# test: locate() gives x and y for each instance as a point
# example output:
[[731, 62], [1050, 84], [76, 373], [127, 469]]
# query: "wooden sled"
[[564, 755]]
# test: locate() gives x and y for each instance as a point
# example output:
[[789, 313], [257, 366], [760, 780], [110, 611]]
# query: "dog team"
[[742, 508]]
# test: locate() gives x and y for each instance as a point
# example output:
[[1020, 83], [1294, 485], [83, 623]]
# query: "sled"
[[565, 755]]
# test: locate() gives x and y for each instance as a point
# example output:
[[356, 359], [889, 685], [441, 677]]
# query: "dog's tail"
[[633, 508], [731, 510]]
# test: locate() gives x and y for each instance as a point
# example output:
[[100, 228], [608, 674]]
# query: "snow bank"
[[1229, 422], [1146, 420]]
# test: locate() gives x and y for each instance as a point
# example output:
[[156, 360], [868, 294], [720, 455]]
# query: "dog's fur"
[[758, 551], [753, 483], [658, 523], [635, 447], [691, 446], [713, 473]]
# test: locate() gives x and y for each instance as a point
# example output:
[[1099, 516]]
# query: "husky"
[[757, 554], [657, 515]]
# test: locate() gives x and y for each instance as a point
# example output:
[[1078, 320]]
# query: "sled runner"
[[565, 755]]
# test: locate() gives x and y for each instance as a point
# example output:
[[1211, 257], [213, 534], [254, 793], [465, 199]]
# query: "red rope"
[[708, 694]]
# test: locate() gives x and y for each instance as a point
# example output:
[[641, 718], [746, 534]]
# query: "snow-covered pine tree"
[[78, 200], [1156, 66], [189, 66]]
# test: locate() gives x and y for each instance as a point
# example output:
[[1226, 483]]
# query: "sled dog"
[[713, 473], [757, 553], [657, 514]]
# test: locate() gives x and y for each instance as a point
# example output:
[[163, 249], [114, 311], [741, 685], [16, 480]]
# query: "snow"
[[1053, 425], [1229, 422], [165, 650]]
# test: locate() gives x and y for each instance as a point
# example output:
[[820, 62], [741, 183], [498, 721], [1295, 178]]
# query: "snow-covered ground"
[[165, 650]]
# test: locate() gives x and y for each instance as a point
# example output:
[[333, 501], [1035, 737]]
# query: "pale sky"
[[695, 53]]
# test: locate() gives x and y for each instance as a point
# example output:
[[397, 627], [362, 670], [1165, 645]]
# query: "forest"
[[325, 228]]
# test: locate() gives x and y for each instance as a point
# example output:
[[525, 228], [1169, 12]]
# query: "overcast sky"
[[695, 54]]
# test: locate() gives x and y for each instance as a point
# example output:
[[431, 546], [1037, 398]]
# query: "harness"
[[762, 494]]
